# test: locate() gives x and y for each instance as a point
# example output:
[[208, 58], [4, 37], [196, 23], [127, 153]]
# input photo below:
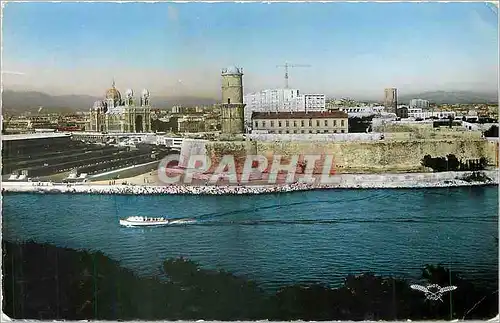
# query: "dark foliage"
[[451, 163], [476, 177], [46, 282], [358, 125], [445, 123], [492, 132], [480, 120], [160, 126]]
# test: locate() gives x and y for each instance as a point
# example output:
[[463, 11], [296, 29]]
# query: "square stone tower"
[[391, 100]]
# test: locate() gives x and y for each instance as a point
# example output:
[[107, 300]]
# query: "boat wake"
[[182, 221]]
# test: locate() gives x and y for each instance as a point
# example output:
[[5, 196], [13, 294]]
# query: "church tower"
[[232, 107]]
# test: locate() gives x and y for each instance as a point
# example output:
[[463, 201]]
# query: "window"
[[341, 123], [301, 131], [287, 131], [334, 123], [325, 131], [294, 123], [302, 123], [279, 123], [317, 123], [310, 131], [256, 124], [310, 123], [287, 123], [342, 131], [326, 123], [272, 123], [263, 124], [334, 131], [279, 131], [295, 131]]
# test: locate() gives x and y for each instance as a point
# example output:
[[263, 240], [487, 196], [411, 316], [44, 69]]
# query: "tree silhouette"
[[47, 282], [451, 163], [491, 132]]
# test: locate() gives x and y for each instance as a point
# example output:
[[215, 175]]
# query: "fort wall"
[[369, 156]]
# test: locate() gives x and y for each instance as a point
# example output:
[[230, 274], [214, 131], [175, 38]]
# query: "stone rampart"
[[382, 156]]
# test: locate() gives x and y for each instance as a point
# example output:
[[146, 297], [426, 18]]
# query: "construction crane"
[[286, 66]]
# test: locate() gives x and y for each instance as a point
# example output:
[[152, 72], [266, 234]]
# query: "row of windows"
[[306, 131], [302, 123], [356, 110]]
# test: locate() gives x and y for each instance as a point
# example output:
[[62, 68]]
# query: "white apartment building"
[[282, 100], [363, 109], [312, 102], [418, 113], [419, 103]]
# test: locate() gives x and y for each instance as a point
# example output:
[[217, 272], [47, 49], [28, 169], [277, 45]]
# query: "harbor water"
[[277, 239]]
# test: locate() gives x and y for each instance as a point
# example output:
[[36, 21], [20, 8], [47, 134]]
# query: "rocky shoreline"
[[344, 181]]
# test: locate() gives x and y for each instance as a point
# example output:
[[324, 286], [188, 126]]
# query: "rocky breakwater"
[[346, 181]]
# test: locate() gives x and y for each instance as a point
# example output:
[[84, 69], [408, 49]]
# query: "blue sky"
[[354, 49]]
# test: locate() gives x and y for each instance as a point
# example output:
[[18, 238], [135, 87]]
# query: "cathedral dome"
[[113, 93]]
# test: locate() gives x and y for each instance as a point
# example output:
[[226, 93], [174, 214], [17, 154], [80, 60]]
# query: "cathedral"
[[114, 114]]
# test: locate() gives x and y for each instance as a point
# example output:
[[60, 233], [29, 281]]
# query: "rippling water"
[[316, 236]]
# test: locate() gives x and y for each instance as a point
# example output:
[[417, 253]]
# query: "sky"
[[176, 49]]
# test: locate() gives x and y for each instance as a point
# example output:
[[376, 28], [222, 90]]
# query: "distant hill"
[[17, 102], [14, 102], [452, 97]]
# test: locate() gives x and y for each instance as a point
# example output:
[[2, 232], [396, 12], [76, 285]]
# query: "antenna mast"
[[286, 66]]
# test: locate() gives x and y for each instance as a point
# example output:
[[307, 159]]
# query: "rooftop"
[[300, 115], [232, 70], [27, 136]]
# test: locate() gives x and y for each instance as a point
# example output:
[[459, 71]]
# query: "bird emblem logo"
[[433, 292]]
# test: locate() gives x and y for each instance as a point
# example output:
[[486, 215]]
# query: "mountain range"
[[17, 102], [455, 97]]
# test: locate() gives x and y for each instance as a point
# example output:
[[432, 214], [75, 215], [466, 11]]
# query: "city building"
[[362, 111], [232, 106], [402, 112], [419, 103], [184, 110], [391, 100], [300, 122], [36, 155], [282, 100], [418, 113], [191, 124], [177, 109], [312, 102], [114, 114]]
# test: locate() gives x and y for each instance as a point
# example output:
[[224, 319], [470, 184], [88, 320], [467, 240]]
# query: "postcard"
[[250, 161]]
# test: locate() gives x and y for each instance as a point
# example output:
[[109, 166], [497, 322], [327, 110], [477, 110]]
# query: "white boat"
[[143, 221]]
